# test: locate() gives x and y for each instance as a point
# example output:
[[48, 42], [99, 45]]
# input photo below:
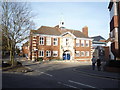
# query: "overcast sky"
[[76, 15]]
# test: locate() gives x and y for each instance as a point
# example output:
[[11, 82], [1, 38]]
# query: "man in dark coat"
[[93, 62], [98, 64]]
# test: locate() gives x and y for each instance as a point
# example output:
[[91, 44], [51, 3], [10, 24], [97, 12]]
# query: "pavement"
[[85, 69], [104, 74]]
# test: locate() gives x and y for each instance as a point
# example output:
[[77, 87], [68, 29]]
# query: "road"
[[56, 75]]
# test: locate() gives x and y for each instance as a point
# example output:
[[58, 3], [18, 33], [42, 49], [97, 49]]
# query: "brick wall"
[[48, 47], [57, 48], [84, 48]]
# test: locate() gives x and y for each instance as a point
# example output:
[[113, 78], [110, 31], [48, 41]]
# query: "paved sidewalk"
[[85, 68], [88, 70], [29, 62]]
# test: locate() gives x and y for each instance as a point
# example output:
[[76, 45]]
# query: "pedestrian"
[[98, 64], [93, 62]]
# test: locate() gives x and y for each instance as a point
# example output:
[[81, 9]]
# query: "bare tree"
[[16, 24]]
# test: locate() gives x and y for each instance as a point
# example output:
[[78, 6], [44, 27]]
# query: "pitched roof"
[[98, 38], [26, 44], [57, 31], [108, 40]]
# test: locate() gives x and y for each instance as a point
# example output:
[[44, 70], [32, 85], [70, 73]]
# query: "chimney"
[[85, 31]]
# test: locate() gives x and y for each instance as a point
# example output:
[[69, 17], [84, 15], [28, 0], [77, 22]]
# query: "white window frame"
[[49, 53], [55, 53], [83, 53], [41, 41], [77, 43], [78, 53], [48, 41], [67, 41], [82, 43], [34, 37], [26, 47], [87, 53], [55, 42], [41, 54], [87, 42]]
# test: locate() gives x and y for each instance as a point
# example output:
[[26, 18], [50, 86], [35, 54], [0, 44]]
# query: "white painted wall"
[[111, 54]]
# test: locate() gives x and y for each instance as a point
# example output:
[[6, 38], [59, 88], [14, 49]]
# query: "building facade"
[[100, 48], [60, 43], [25, 49], [111, 56], [114, 8]]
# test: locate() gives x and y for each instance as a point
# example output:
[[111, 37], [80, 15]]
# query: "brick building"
[[60, 43], [100, 48], [25, 49], [114, 8]]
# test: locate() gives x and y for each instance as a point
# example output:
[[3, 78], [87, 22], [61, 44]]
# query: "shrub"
[[5, 64], [113, 63], [56, 59], [19, 63], [23, 55], [40, 59], [9, 63]]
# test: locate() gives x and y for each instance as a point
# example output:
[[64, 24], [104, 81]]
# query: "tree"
[[16, 24]]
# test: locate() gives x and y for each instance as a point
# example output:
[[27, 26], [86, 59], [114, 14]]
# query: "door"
[[68, 56], [64, 57]]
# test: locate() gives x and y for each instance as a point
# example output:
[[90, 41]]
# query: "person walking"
[[98, 64], [93, 62]]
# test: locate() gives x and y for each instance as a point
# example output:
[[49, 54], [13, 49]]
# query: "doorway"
[[66, 55]]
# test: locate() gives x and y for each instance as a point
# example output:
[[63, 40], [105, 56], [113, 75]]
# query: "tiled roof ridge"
[[58, 28], [96, 36], [58, 31]]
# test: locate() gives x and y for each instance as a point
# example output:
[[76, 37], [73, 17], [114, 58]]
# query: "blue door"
[[66, 56]]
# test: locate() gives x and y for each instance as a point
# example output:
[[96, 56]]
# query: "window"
[[77, 43], [34, 37], [67, 41], [82, 53], [113, 11], [55, 41], [77, 53], [41, 53], [82, 43], [34, 44], [87, 53], [26, 47], [41, 40], [87, 43], [112, 33], [48, 41], [48, 53], [55, 53]]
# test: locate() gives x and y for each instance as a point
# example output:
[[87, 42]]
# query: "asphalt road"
[[56, 75]]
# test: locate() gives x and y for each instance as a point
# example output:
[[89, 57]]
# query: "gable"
[[45, 30], [68, 34]]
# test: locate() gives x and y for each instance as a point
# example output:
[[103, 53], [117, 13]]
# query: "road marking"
[[66, 85], [95, 75], [47, 74], [81, 84]]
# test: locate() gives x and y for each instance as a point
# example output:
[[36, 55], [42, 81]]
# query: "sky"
[[76, 15]]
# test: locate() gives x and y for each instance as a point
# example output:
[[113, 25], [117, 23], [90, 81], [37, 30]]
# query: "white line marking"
[[47, 74], [67, 85], [81, 84], [94, 75]]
